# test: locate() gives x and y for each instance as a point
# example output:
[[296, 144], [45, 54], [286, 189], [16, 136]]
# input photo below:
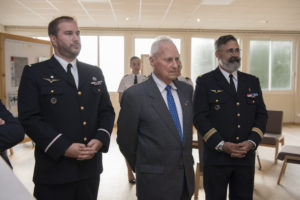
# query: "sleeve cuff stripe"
[[258, 131], [51, 143], [209, 133], [105, 131]]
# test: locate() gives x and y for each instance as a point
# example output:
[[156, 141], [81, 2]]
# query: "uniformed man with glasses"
[[230, 114]]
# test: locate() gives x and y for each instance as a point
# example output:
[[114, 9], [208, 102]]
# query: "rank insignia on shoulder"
[[51, 79], [217, 91]]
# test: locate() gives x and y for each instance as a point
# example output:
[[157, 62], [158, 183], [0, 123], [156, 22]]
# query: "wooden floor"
[[114, 184]]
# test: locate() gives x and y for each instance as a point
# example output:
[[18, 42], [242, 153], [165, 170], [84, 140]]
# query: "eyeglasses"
[[237, 51]]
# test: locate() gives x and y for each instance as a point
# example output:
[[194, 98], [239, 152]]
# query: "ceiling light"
[[198, 20], [217, 2], [127, 18]]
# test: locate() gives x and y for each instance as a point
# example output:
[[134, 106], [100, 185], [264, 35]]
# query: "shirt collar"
[[162, 85], [64, 63], [226, 74]]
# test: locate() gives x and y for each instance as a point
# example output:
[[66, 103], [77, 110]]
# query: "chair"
[[198, 144], [289, 154], [273, 135]]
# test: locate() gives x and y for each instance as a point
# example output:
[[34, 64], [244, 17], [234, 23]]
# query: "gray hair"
[[155, 45]]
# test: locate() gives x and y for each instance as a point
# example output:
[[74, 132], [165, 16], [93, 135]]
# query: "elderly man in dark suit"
[[65, 108], [155, 129], [11, 132], [230, 114]]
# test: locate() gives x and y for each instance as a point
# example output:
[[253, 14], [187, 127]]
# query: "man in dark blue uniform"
[[11, 132], [65, 108], [230, 114]]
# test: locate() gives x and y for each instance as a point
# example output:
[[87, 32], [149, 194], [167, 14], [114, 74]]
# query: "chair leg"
[[258, 159], [282, 170], [197, 181], [282, 141], [276, 151]]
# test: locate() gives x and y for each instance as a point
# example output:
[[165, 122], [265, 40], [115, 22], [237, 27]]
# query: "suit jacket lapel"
[[159, 105], [60, 72], [223, 83]]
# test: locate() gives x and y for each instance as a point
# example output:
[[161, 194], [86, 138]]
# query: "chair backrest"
[[274, 124]]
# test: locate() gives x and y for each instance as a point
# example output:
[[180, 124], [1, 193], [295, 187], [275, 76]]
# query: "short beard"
[[232, 64]]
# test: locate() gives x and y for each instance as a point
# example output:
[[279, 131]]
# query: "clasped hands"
[[81, 151], [237, 150]]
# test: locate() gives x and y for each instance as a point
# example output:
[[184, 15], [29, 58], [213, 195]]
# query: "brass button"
[[79, 93], [253, 101], [51, 91], [81, 107], [84, 123], [237, 138], [99, 90], [239, 126], [238, 114], [85, 139], [217, 100], [237, 103]]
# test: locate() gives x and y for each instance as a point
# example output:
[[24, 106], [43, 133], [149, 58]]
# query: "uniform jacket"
[[150, 142], [128, 81], [56, 114], [11, 133], [220, 114]]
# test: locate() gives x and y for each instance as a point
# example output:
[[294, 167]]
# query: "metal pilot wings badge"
[[51, 79], [217, 91]]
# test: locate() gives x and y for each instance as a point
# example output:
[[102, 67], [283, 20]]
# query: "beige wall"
[[289, 101]]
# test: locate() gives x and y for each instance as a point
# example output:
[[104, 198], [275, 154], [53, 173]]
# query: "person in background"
[[230, 114], [127, 81], [11, 132], [65, 108], [182, 78], [155, 129], [131, 79]]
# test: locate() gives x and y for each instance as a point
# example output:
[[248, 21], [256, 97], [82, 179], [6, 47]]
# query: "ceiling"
[[283, 15]]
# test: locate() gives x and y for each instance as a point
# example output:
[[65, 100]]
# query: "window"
[[202, 56], [112, 60], [89, 50], [271, 62], [143, 45]]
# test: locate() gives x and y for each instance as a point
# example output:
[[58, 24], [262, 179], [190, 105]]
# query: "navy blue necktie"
[[173, 111], [231, 83], [69, 66]]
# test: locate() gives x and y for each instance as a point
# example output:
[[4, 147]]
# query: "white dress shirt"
[[74, 69], [162, 88]]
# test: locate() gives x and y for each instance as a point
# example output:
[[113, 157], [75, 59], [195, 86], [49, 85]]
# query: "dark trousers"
[[86, 189], [239, 178]]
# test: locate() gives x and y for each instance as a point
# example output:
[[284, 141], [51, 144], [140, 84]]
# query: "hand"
[[95, 144], [74, 150], [91, 149], [246, 145], [234, 150], [2, 122]]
